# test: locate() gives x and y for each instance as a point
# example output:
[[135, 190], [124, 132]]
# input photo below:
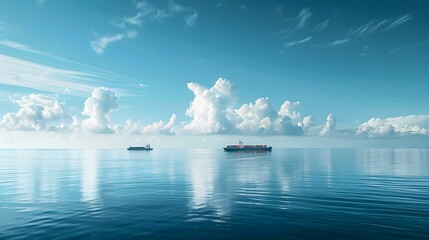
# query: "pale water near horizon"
[[211, 194]]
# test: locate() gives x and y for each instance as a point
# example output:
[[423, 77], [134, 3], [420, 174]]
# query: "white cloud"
[[157, 128], [302, 17], [101, 43], [6, 29], [147, 12], [211, 108], [377, 26], [136, 20], [23, 73], [36, 113], [261, 118], [162, 127], [413, 125], [322, 25], [338, 42], [18, 46], [132, 127], [98, 106], [213, 111], [173, 7], [307, 122], [398, 21], [330, 124], [288, 109], [256, 118], [191, 19], [191, 15], [293, 43]]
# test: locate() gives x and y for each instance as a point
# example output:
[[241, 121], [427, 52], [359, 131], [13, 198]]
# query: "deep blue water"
[[211, 194]]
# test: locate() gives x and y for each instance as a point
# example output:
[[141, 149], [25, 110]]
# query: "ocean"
[[211, 194]]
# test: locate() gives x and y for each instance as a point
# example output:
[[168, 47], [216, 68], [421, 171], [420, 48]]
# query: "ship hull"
[[248, 149], [139, 149]]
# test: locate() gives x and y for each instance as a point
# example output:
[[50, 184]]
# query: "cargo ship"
[[242, 147], [145, 148]]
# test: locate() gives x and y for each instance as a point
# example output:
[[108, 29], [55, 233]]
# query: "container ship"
[[145, 148], [242, 147]]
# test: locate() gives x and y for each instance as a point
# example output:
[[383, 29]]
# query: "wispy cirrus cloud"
[[295, 23], [371, 27], [409, 46], [398, 21], [377, 26], [322, 25], [28, 74], [7, 29], [302, 17], [337, 42], [298, 42], [146, 12], [191, 19], [101, 43], [18, 46]]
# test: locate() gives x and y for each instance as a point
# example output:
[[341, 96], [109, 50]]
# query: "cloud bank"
[[213, 110], [413, 125], [36, 113]]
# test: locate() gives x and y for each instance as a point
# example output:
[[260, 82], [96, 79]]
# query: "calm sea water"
[[210, 194]]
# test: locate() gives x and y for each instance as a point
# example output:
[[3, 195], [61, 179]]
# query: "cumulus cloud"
[[162, 127], [36, 113], [413, 125], [157, 128], [288, 109], [98, 106], [306, 123], [213, 111], [330, 124], [211, 108], [256, 117]]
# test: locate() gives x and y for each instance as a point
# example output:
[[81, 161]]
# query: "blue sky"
[[124, 68]]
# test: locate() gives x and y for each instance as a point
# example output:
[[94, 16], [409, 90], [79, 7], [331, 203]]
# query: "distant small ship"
[[145, 148], [242, 147]]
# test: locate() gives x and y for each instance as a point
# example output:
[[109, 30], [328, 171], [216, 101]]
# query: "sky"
[[181, 73]]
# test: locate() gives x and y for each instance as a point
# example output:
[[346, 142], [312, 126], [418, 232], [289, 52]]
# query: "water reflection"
[[394, 162], [25, 179], [206, 179], [89, 176], [36, 177]]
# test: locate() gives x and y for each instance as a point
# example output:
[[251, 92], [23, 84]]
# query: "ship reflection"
[[247, 154]]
